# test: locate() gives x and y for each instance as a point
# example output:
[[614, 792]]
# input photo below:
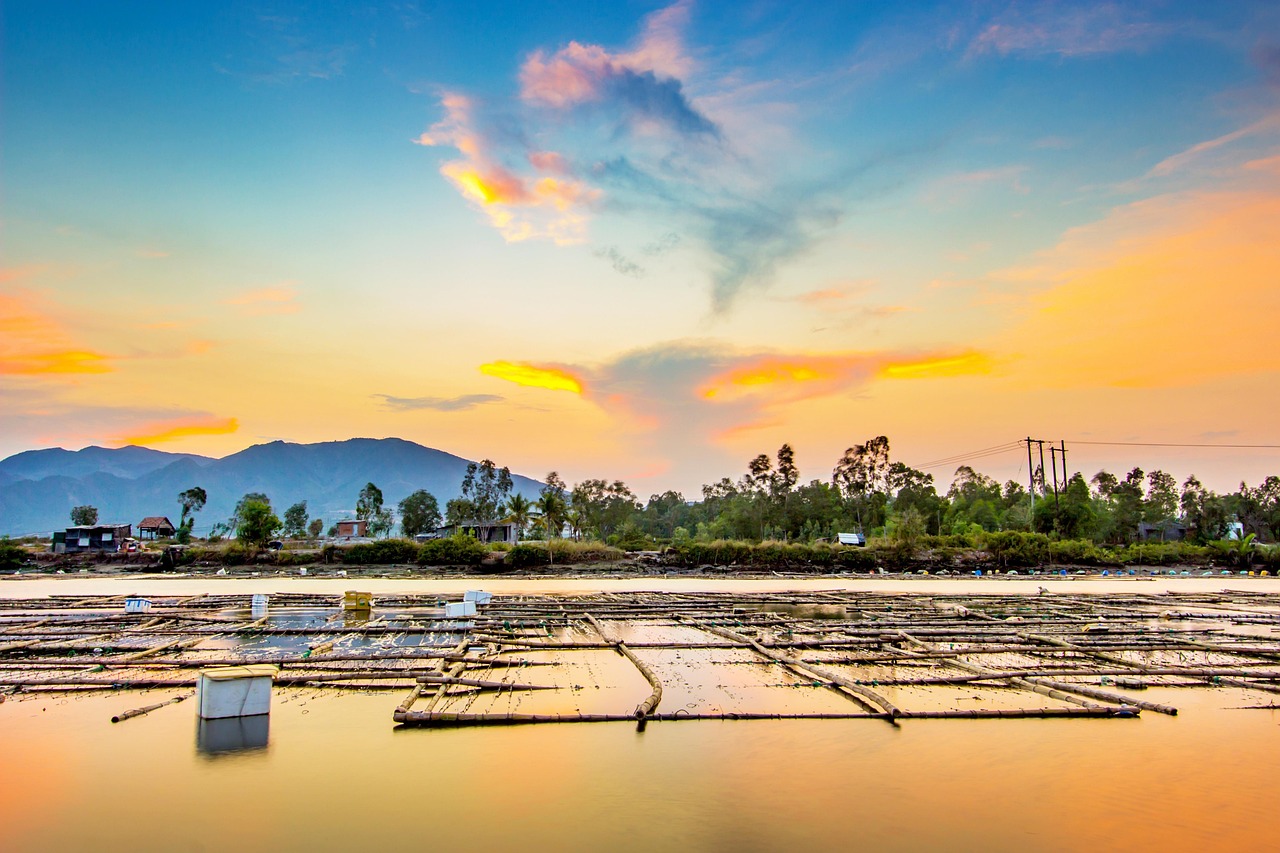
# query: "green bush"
[[1012, 548], [564, 551], [12, 556], [856, 559], [457, 550], [1078, 552], [381, 552], [1159, 554]]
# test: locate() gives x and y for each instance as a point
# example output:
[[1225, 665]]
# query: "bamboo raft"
[[669, 657]]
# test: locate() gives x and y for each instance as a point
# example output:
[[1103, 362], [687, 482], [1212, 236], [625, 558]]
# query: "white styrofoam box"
[[134, 604], [480, 597], [258, 604], [456, 609], [236, 691]]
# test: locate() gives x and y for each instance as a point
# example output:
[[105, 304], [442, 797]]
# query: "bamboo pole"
[[645, 708], [813, 671], [138, 712]]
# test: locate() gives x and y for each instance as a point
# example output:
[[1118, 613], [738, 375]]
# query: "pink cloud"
[[552, 204]]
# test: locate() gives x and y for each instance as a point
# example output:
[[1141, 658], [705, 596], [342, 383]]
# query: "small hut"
[[156, 527], [348, 529]]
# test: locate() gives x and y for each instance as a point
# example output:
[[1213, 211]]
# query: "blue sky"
[[730, 225]]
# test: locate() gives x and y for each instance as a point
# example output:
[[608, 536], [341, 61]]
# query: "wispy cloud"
[[621, 263], [1183, 159], [1067, 29], [284, 51], [273, 299], [438, 404]]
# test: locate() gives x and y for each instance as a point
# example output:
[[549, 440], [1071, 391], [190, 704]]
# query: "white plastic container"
[[235, 691], [135, 604], [258, 604], [458, 609], [480, 597]]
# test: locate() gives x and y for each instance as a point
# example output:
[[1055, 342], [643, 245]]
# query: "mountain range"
[[38, 488]]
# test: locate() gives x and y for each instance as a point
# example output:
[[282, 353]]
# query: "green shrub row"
[[564, 551], [778, 555]]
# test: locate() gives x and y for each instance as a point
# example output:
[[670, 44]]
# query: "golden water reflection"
[[336, 773]]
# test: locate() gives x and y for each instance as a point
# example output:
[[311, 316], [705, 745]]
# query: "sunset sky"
[[647, 242]]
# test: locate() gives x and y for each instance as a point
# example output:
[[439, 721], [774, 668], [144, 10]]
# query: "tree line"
[[867, 492]]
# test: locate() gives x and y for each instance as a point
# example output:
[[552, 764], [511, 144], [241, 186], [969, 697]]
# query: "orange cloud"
[[534, 376], [159, 432], [36, 364], [32, 343], [1175, 290]]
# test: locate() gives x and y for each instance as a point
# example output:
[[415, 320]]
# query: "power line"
[[971, 455], [1171, 444]]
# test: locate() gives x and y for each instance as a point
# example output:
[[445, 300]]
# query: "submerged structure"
[[664, 657]]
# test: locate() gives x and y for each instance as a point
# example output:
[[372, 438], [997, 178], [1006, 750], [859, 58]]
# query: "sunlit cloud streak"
[[161, 432], [551, 377], [686, 398]]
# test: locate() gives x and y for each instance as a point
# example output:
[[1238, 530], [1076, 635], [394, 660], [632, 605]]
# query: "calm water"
[[335, 774]]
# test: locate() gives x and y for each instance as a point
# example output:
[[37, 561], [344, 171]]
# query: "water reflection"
[[231, 735]]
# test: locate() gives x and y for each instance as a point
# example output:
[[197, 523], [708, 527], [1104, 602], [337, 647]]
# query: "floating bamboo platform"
[[662, 657]]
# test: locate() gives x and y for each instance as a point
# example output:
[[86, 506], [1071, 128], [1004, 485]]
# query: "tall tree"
[[192, 501], [368, 503], [84, 516], [1161, 503], [864, 468], [419, 513], [486, 486], [604, 506], [257, 523], [295, 520], [862, 475]]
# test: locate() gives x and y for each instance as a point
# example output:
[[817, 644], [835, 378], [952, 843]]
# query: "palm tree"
[[576, 521], [551, 506], [518, 508]]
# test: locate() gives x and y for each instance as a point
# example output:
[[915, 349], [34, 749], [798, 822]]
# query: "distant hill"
[[128, 462], [38, 488]]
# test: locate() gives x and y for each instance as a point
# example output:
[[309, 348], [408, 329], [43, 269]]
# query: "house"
[[158, 526], [1169, 530], [495, 531], [352, 529], [91, 537], [851, 539]]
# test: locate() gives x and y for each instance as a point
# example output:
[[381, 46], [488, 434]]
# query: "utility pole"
[[1031, 476], [1053, 460]]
